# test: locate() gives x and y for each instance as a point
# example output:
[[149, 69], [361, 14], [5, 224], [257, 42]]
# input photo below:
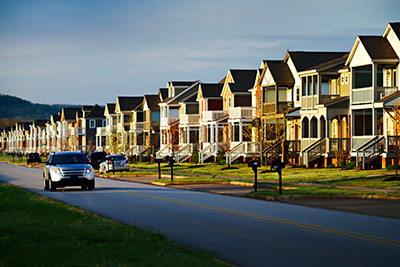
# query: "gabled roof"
[[280, 71], [96, 112], [211, 90], [190, 99], [395, 27], [152, 101], [181, 83], [183, 94], [243, 80], [392, 100], [304, 60], [40, 122], [69, 114], [378, 47], [110, 108], [55, 117], [128, 103], [163, 93], [335, 101]]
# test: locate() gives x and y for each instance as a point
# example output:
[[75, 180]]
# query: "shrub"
[[350, 165], [330, 166], [393, 167]]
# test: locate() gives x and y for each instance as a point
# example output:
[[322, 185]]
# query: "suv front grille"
[[73, 171]]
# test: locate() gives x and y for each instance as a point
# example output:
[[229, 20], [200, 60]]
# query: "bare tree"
[[173, 136]]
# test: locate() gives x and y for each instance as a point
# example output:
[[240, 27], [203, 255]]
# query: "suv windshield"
[[69, 159]]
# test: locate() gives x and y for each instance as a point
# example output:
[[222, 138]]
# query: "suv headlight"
[[57, 170], [89, 169]]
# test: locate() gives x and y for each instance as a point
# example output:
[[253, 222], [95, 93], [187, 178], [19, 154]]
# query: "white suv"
[[67, 169]]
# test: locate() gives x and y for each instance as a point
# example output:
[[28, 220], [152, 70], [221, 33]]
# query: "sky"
[[90, 52]]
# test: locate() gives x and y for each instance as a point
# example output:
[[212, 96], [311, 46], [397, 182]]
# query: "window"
[[347, 79], [103, 123], [362, 77], [342, 79], [304, 85], [259, 102], [309, 85], [92, 124], [363, 122], [315, 85], [380, 77], [297, 94]]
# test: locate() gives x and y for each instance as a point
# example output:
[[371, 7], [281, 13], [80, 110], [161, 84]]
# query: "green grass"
[[35, 230], [242, 171], [371, 182], [319, 190]]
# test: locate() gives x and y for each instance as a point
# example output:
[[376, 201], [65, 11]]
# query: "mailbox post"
[[277, 166], [254, 165], [158, 161], [171, 162]]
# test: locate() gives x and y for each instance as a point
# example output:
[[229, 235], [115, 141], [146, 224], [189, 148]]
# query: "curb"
[[339, 196], [195, 183]]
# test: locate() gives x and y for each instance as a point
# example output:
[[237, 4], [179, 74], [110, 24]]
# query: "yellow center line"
[[13, 170], [273, 219]]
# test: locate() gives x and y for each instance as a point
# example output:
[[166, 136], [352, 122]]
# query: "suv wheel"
[[52, 185], [45, 184], [91, 185]]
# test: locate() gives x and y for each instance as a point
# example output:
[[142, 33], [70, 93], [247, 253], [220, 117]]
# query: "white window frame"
[[92, 124]]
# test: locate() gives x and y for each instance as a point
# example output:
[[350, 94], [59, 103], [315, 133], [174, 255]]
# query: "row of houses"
[[308, 108]]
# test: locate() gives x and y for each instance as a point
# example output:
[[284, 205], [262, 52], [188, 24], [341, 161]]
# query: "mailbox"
[[170, 162], [254, 164], [158, 160], [277, 165]]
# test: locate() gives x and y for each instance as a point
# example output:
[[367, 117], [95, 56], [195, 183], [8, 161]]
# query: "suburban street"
[[242, 231]]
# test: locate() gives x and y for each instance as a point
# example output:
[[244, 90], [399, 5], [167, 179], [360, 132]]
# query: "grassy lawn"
[[289, 174], [36, 230], [371, 182], [319, 190]]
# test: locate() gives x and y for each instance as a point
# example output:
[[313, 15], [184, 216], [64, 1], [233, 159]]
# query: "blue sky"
[[90, 52]]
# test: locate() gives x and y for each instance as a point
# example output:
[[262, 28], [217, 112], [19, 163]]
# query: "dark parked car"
[[33, 157], [96, 157]]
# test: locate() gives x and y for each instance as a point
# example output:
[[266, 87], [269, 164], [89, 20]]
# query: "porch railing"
[[184, 153], [241, 112], [314, 151], [242, 149], [338, 144], [369, 150], [212, 115], [189, 119], [393, 144], [270, 108], [208, 151]]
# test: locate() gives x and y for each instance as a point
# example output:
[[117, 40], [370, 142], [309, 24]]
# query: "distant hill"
[[14, 107]]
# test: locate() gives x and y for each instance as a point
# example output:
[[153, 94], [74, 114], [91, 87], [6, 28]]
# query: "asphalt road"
[[242, 231]]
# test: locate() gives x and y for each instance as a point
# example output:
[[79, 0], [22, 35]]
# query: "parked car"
[[33, 157], [114, 162], [96, 157], [68, 169]]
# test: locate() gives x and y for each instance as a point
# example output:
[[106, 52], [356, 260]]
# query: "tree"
[[394, 145], [226, 144], [173, 136]]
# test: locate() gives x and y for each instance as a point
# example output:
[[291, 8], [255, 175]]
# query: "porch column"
[[212, 129], [240, 131], [276, 97], [216, 133], [374, 121]]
